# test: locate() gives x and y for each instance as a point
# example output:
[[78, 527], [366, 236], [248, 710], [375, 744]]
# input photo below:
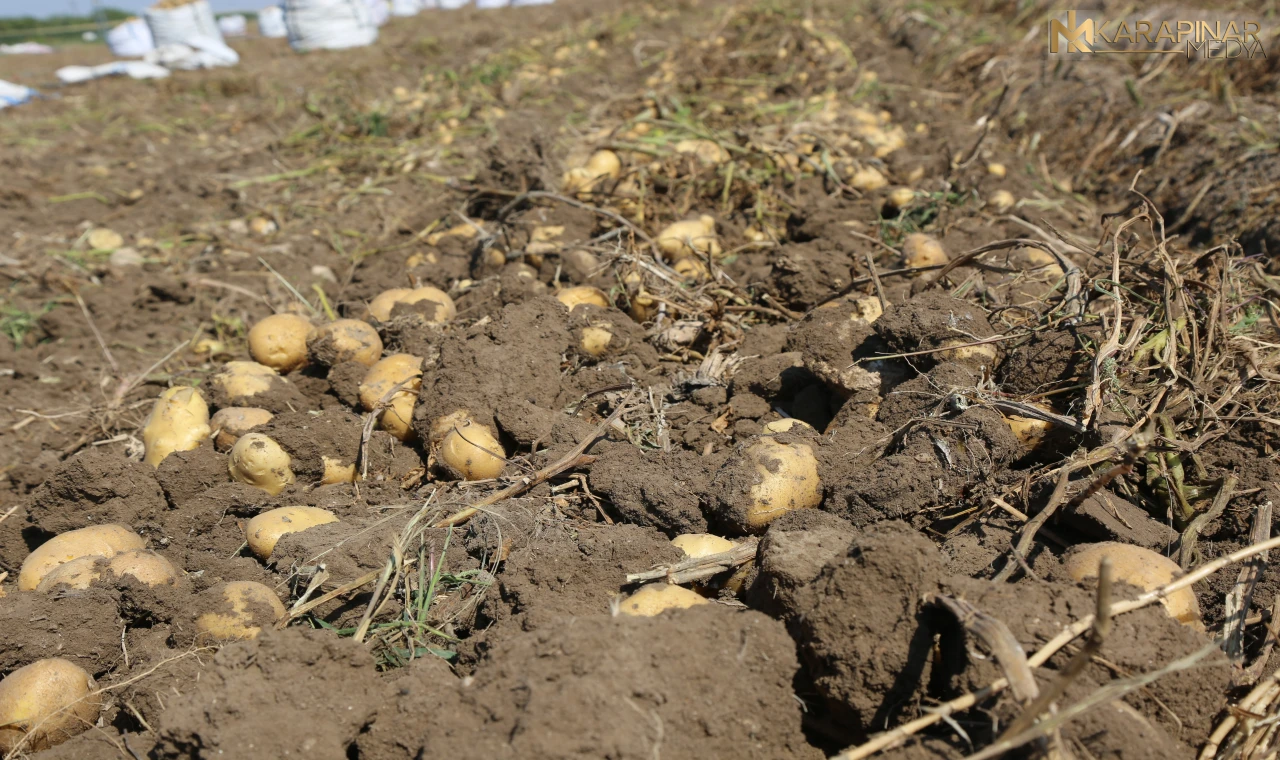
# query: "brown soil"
[[437, 157]]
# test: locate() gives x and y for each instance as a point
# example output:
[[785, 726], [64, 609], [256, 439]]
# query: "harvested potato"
[[1002, 200], [691, 237], [1030, 431], [786, 425], [982, 355], [143, 565], [103, 239], [644, 307], [263, 531], [1138, 567], [701, 544], [707, 152], [234, 421], [280, 342], [657, 598], [595, 341], [898, 199], [464, 231], [470, 451], [691, 269], [337, 472], [380, 307], [259, 461], [240, 609], [94, 541], [179, 421], [765, 481], [45, 703], [240, 381], [602, 165], [345, 340], [867, 178], [921, 250], [397, 418], [404, 370], [997, 170], [582, 295]]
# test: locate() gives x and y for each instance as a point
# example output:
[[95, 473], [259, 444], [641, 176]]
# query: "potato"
[[867, 178], [263, 531], [337, 472], [707, 152], [786, 425], [983, 355], [103, 239], [582, 295], [240, 381], [470, 451], [692, 237], [1002, 200], [462, 231], [898, 199], [179, 421], [657, 598], [1030, 431], [595, 341], [691, 269], [345, 340], [52, 699], [701, 544], [602, 165], [997, 170], [94, 541], [259, 461], [143, 565], [1138, 567], [386, 374], [280, 342], [920, 250], [380, 307], [765, 481], [397, 418], [234, 421], [241, 609]]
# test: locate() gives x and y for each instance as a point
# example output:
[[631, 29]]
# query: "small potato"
[[898, 199], [179, 421], [259, 461], [380, 308], [1138, 567], [240, 381], [345, 340], [582, 295], [595, 341], [920, 250], [240, 609], [143, 565], [397, 418], [280, 342], [707, 152], [644, 307], [692, 237], [262, 532], [867, 178], [45, 703], [234, 421], [1002, 200], [337, 472], [691, 270], [602, 165], [1030, 431], [471, 452], [103, 239], [657, 598], [765, 481], [997, 170], [982, 355], [94, 541], [387, 374], [786, 425], [696, 545]]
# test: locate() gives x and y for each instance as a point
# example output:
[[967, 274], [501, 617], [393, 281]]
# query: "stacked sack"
[[329, 24]]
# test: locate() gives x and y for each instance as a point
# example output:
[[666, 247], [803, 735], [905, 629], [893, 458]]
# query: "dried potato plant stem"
[[1042, 655]]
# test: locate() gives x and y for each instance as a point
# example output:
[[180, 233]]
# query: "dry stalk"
[[1000, 641], [699, 568]]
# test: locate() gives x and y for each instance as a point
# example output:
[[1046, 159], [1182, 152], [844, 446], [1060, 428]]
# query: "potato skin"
[[179, 421], [764, 481], [233, 422], [381, 306], [471, 452], [143, 565], [582, 295], [657, 598], [280, 342], [345, 340], [53, 698], [238, 614], [265, 530], [259, 461], [384, 376], [1138, 567], [96, 541], [240, 381]]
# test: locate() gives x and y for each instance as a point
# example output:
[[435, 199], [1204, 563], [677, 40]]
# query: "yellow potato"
[[997, 170], [472, 452], [1138, 567], [786, 425], [241, 609], [690, 237], [94, 541], [45, 703], [103, 239], [337, 472], [280, 342], [701, 544], [143, 565], [380, 307], [657, 598], [920, 250], [602, 165], [581, 296], [899, 198], [397, 418], [1002, 200], [240, 381], [984, 355], [595, 341], [707, 151], [644, 307], [765, 481], [462, 231], [262, 532], [257, 460], [234, 421], [1030, 431], [387, 374], [179, 421], [867, 178], [345, 340]]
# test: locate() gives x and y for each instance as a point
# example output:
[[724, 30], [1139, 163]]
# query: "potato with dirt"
[[179, 421], [45, 703], [264, 531], [280, 342], [94, 541], [345, 340], [236, 610], [257, 460], [392, 385], [764, 480]]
